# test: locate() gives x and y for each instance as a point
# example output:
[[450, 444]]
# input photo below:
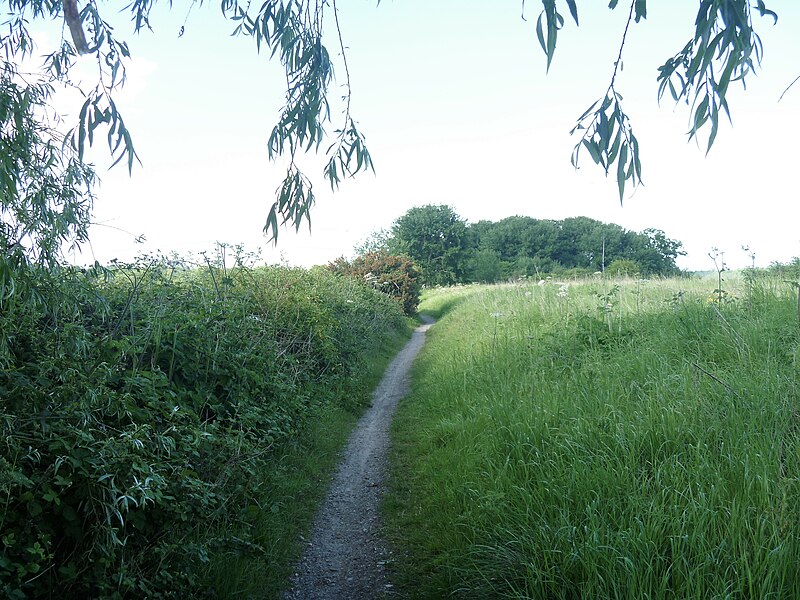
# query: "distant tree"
[[436, 238], [624, 266], [656, 253], [379, 240], [579, 243], [484, 266], [528, 247], [511, 237]]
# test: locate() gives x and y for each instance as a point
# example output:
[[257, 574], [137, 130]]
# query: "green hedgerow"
[[140, 406]]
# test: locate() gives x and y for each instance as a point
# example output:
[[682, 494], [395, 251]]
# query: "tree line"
[[449, 250]]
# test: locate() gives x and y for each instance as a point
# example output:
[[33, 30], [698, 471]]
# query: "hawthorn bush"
[[140, 407], [624, 266], [395, 275]]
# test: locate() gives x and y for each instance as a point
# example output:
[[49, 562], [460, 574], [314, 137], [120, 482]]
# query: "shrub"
[[623, 267], [139, 407], [397, 276], [574, 273]]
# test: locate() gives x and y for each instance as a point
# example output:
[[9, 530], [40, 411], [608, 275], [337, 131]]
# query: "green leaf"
[[714, 127], [573, 10], [623, 158], [588, 110], [615, 147], [593, 149], [637, 164], [700, 117], [640, 9], [540, 35]]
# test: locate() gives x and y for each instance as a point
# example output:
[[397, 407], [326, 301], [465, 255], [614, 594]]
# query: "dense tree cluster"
[[449, 250]]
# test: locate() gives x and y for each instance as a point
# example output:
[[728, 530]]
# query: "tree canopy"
[[45, 181], [725, 48], [435, 237], [46, 184], [449, 250]]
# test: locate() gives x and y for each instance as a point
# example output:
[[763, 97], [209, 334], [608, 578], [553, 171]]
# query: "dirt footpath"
[[346, 557]]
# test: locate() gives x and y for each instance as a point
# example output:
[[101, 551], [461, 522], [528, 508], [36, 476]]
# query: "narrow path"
[[346, 557]]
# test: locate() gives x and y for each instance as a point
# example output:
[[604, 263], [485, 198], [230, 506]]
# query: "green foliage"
[[434, 236], [142, 408], [608, 137], [451, 251], [574, 273], [531, 247], [600, 440], [43, 212], [724, 48], [44, 187], [377, 241], [396, 276], [625, 267], [290, 31], [485, 266], [790, 270]]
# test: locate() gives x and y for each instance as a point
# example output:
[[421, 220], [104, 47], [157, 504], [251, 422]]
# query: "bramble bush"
[[140, 406], [395, 275]]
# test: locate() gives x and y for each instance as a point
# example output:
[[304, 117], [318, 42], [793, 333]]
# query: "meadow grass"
[[602, 439]]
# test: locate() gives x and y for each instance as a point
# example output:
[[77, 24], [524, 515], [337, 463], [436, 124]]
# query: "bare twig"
[[796, 79]]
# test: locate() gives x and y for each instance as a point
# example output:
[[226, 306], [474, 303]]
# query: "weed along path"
[[345, 558]]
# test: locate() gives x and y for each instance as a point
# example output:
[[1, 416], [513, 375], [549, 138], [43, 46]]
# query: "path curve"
[[346, 556]]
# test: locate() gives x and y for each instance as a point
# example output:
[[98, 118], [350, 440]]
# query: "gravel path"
[[346, 557]]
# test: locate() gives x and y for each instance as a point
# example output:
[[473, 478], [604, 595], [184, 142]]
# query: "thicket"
[[395, 275], [140, 408]]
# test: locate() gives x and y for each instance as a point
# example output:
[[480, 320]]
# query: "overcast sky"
[[457, 109]]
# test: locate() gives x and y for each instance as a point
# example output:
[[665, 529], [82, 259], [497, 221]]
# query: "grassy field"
[[602, 439]]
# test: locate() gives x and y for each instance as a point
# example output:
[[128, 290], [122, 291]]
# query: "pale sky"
[[457, 109]]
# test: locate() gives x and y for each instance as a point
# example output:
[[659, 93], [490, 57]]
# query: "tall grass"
[[602, 439]]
